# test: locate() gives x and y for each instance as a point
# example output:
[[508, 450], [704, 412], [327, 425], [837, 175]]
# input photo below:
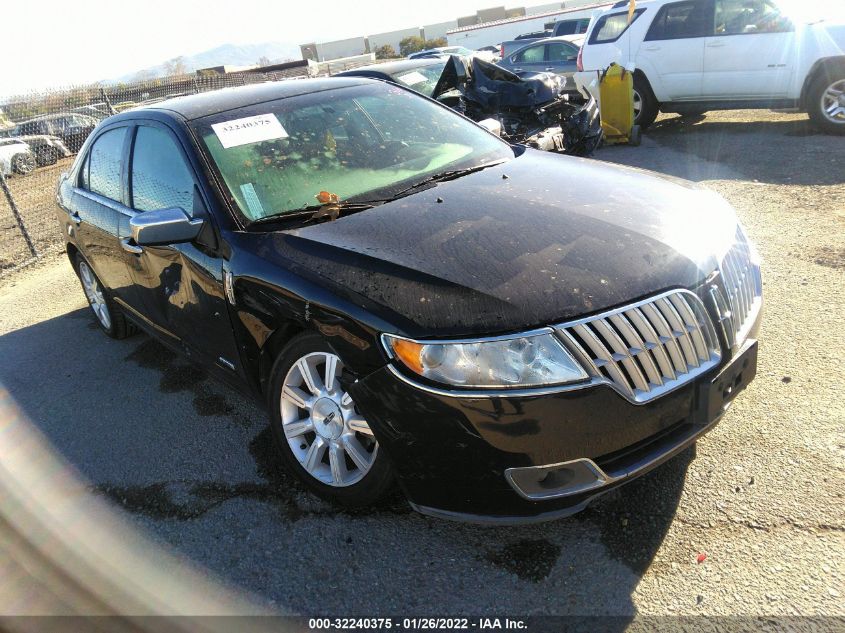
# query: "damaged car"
[[541, 110], [504, 333]]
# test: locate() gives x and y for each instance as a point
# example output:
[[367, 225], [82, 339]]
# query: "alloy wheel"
[[24, 164], [833, 102], [638, 105], [94, 293], [330, 439]]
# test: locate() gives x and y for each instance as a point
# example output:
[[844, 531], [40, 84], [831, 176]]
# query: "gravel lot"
[[189, 462]]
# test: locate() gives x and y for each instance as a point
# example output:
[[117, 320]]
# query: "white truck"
[[691, 56], [478, 36]]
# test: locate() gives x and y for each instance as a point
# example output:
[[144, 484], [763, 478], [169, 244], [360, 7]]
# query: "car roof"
[[576, 39], [391, 68], [208, 103]]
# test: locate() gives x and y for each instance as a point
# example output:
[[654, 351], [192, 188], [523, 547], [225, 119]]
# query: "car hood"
[[537, 240]]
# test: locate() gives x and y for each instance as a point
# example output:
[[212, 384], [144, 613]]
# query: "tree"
[[386, 52], [411, 44], [437, 43], [263, 61], [176, 66]]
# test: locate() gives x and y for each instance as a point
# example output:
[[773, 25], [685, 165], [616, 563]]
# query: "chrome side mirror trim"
[[164, 226]]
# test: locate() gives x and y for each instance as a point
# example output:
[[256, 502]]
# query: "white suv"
[[692, 56]]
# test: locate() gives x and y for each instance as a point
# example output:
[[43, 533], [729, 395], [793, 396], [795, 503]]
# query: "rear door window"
[[561, 52], [160, 178], [104, 164], [747, 17], [610, 28], [680, 20], [530, 55]]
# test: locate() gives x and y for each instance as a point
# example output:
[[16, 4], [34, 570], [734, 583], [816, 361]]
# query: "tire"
[[23, 163], [318, 431], [646, 113], [826, 101], [636, 136], [47, 156], [106, 313]]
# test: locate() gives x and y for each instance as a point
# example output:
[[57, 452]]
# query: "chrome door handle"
[[550, 69], [130, 247], [652, 48], [517, 70], [715, 45]]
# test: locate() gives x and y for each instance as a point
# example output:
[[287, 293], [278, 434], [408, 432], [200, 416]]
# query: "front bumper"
[[473, 459]]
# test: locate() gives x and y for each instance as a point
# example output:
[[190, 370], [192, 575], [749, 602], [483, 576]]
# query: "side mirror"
[[164, 226], [491, 125]]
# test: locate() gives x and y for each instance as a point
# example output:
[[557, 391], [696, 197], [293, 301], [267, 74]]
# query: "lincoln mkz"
[[504, 333]]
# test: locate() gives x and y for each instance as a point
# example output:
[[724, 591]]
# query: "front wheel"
[[826, 103], [645, 103], [318, 429], [23, 164]]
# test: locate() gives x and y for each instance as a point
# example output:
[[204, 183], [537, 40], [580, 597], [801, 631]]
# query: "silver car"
[[552, 54]]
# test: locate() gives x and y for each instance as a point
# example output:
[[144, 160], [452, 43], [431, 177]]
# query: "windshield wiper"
[[443, 176], [333, 210], [319, 211]]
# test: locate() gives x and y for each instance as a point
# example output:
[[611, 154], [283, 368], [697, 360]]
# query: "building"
[[475, 36], [325, 51]]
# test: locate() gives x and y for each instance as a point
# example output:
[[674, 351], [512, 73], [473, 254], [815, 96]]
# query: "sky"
[[82, 41], [88, 40]]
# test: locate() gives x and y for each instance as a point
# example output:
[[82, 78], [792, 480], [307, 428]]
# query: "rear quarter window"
[[610, 28]]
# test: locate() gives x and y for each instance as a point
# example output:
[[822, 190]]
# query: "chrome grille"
[[743, 286], [646, 349]]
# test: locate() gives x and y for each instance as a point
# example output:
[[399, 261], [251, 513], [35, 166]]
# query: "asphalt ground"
[[747, 522]]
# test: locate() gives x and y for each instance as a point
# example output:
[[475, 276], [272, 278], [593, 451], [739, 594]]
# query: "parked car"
[[562, 28], [442, 51], [537, 54], [71, 128], [538, 110], [16, 157], [47, 149], [97, 110], [414, 299], [699, 55], [557, 55], [419, 74]]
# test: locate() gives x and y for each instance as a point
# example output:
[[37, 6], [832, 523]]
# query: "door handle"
[[550, 69], [715, 45], [130, 247], [517, 70], [653, 47]]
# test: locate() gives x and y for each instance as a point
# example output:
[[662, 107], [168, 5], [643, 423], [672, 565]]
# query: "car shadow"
[[192, 463], [785, 151]]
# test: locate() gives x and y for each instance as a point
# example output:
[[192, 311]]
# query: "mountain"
[[227, 54]]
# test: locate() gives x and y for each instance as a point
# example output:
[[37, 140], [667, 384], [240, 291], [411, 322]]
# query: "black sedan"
[[505, 333]]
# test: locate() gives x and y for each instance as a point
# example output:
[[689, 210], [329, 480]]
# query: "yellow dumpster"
[[616, 103]]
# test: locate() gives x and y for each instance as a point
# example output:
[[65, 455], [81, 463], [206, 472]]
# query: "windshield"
[[423, 79], [360, 142]]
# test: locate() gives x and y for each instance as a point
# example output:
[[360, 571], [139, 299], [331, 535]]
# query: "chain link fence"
[[40, 134]]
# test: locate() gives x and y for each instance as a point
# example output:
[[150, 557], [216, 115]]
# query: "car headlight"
[[523, 360]]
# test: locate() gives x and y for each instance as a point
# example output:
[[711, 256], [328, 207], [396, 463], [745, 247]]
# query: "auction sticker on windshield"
[[252, 129], [412, 78]]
